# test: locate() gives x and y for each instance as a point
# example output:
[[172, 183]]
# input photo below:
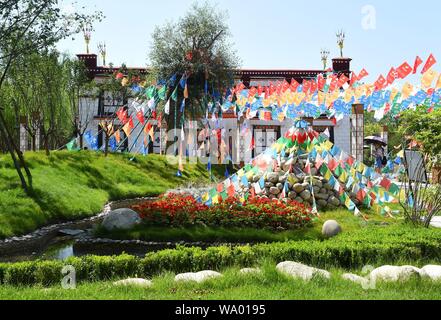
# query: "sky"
[[278, 34]]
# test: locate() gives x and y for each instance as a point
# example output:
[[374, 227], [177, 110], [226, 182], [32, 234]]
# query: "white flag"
[[167, 107]]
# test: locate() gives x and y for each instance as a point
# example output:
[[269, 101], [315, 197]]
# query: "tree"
[[198, 48], [26, 26], [425, 128]]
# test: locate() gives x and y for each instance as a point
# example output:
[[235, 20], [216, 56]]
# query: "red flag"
[[363, 74], [418, 62], [404, 70], [354, 78], [131, 125], [429, 63], [314, 87], [306, 86], [343, 79], [294, 85], [334, 83], [259, 90], [285, 86], [320, 81], [272, 89], [379, 84], [160, 121], [120, 114], [392, 75], [140, 117]]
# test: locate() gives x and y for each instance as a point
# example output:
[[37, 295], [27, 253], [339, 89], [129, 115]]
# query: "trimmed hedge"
[[369, 246]]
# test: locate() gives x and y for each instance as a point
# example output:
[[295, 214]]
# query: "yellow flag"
[[152, 134], [438, 83], [127, 129], [215, 199], [428, 77], [407, 90], [343, 176]]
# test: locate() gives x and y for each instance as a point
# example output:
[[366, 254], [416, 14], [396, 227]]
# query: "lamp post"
[[341, 41], [87, 32], [103, 51], [324, 54]]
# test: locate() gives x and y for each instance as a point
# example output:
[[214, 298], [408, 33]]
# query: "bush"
[[352, 250], [183, 211]]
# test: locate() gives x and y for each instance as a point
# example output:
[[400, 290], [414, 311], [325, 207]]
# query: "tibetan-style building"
[[347, 133]]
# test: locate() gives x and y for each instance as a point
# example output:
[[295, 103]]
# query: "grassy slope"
[[71, 185], [270, 285]]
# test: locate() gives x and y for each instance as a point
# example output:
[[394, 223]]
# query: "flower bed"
[[181, 211]]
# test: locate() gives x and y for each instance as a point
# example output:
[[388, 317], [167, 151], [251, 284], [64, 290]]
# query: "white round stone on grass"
[[124, 219], [298, 270], [394, 273], [433, 272], [198, 277], [331, 228], [135, 282]]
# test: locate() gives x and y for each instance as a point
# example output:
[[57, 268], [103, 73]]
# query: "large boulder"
[[433, 272], [298, 188], [331, 228], [394, 273], [301, 271], [274, 191], [198, 277], [124, 219], [273, 177]]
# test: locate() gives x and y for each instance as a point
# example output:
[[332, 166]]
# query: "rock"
[[250, 271], [256, 178], [322, 196], [69, 232], [298, 270], [273, 177], [316, 189], [143, 283], [394, 273], [314, 171], [331, 228], [355, 278], [298, 188], [334, 201], [317, 183], [299, 200], [293, 179], [292, 195], [198, 276], [121, 219], [274, 190], [269, 184], [322, 203], [282, 179], [280, 186], [306, 195], [327, 186], [433, 272]]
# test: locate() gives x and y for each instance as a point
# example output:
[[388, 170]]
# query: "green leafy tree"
[[27, 26], [425, 128], [198, 47]]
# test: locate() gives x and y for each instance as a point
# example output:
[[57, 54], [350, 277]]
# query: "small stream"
[[64, 240]]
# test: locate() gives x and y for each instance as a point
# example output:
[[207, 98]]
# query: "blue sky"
[[282, 34]]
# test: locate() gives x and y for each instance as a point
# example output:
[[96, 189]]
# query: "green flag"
[[72, 145], [174, 95], [162, 93]]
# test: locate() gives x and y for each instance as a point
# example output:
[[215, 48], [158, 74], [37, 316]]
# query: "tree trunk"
[[12, 147], [81, 140], [46, 145], [34, 142], [106, 145]]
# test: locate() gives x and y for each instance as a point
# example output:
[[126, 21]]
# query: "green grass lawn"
[[72, 185], [270, 285], [348, 221]]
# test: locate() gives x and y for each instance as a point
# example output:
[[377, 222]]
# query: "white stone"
[[121, 219], [143, 283], [354, 278], [395, 273], [298, 270], [432, 271], [250, 271], [331, 228], [198, 276]]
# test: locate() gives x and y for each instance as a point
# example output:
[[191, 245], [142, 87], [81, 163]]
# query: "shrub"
[[181, 211], [352, 250]]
